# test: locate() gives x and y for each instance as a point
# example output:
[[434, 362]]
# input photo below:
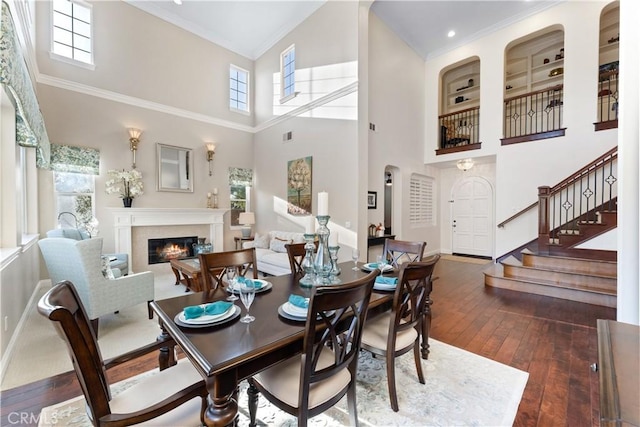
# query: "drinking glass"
[[232, 283], [382, 262], [355, 254], [247, 294]]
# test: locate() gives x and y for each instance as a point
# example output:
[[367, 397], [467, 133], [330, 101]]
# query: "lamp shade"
[[247, 218]]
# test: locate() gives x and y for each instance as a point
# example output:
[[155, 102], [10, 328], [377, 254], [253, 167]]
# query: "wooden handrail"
[[520, 213], [458, 112], [550, 88], [611, 155]]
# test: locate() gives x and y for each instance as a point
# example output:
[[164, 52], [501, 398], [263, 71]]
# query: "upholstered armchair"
[[119, 261], [79, 261]]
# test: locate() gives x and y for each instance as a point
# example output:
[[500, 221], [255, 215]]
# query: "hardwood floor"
[[552, 339]]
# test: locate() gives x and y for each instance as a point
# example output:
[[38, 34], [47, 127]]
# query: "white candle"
[[333, 239], [310, 226], [215, 191], [208, 194], [323, 203]]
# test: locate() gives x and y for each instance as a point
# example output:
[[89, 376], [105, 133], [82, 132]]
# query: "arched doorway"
[[472, 217]]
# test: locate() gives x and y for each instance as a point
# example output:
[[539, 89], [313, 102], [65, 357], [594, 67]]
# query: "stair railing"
[[576, 199]]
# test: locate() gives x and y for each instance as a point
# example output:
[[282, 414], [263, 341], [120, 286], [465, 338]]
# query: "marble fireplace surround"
[[125, 219]]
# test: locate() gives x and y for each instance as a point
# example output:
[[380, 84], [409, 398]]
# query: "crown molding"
[[138, 102], [343, 91]]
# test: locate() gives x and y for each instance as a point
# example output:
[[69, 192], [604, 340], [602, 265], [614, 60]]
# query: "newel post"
[[543, 219]]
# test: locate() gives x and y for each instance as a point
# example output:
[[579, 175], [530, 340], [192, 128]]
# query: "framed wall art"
[[299, 186], [372, 200]]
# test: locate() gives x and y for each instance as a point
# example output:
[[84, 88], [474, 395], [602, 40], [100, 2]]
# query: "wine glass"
[[232, 285], [247, 294], [355, 254]]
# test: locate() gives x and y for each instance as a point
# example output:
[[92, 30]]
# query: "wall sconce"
[[465, 164], [211, 150], [134, 140], [388, 182]]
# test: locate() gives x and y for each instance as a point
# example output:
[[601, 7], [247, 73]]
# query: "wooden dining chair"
[[309, 384], [174, 396], [296, 254], [397, 252], [397, 332], [214, 266]]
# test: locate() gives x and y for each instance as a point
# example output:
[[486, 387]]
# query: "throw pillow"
[[261, 241], [106, 268], [277, 245]]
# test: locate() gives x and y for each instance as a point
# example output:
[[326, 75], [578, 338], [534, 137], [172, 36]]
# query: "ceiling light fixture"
[[465, 164], [451, 33]]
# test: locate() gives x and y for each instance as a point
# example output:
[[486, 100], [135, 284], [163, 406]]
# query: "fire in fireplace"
[[164, 250]]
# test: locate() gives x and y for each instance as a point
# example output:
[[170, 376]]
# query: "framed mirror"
[[175, 168]]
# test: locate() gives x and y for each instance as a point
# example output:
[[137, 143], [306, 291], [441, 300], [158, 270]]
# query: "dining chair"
[[397, 252], [397, 332], [215, 265], [296, 253], [310, 383], [174, 396]]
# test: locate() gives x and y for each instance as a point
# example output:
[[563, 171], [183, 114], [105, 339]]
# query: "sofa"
[[271, 253]]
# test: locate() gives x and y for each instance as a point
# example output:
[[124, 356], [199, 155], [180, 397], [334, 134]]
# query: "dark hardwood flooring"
[[552, 339]]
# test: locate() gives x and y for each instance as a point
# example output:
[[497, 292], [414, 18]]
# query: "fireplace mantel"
[[126, 218]]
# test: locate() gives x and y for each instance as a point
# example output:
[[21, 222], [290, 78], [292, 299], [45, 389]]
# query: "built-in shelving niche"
[[608, 61]]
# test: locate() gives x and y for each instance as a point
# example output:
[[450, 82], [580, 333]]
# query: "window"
[[288, 73], [74, 199], [421, 201], [240, 181], [238, 89], [71, 31]]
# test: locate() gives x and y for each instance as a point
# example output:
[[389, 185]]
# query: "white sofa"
[[271, 254]]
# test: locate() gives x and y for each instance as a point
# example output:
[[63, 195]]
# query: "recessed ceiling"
[[250, 28]]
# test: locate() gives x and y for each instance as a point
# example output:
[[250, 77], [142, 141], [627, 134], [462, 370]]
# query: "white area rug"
[[42, 353], [462, 389]]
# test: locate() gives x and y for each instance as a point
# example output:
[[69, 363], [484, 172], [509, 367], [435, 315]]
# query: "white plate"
[[384, 287], [293, 310], [264, 286], [373, 265], [207, 318], [287, 315]]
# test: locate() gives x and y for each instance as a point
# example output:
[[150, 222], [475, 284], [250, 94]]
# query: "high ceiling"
[[250, 28]]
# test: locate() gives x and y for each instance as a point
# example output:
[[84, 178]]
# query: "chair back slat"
[[342, 332], [214, 266], [397, 252], [296, 253], [61, 304]]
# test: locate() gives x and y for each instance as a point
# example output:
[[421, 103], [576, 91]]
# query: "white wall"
[[396, 107], [521, 168]]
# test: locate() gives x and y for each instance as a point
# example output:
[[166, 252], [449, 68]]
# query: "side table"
[[240, 239]]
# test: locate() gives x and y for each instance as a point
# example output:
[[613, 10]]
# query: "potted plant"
[[127, 184]]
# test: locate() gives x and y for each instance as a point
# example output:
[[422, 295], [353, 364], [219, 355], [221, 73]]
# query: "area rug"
[[462, 389]]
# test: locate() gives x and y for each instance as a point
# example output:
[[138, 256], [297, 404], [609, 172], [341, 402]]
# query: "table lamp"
[[247, 219]]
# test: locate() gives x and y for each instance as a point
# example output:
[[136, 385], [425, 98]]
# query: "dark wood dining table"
[[233, 351]]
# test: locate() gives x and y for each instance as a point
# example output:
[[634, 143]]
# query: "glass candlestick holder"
[[322, 263], [335, 270], [307, 262]]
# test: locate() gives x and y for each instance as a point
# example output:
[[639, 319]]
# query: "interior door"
[[472, 217]]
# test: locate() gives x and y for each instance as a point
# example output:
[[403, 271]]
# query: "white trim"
[[142, 103], [247, 93], [70, 60], [284, 98]]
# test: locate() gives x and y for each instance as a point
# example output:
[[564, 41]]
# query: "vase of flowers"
[[127, 184]]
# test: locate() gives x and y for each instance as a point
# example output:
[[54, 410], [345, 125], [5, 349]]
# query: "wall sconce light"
[[388, 182], [134, 140], [465, 164], [211, 150]]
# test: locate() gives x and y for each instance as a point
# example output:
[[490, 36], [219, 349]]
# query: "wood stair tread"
[[554, 284], [514, 262]]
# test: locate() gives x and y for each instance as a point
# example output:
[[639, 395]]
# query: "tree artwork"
[[299, 186]]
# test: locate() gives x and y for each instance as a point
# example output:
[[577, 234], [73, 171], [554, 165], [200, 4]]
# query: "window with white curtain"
[[422, 200]]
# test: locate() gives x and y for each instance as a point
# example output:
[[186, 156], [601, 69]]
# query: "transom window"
[[238, 89], [71, 35], [287, 73]]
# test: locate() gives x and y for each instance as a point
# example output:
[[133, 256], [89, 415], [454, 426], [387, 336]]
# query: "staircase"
[[574, 211]]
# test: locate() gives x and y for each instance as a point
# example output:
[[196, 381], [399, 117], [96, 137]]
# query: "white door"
[[472, 217]]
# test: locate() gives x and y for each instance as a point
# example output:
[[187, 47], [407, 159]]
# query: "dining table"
[[230, 351]]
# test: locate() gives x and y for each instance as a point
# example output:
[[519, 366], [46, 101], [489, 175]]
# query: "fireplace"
[[166, 249]]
